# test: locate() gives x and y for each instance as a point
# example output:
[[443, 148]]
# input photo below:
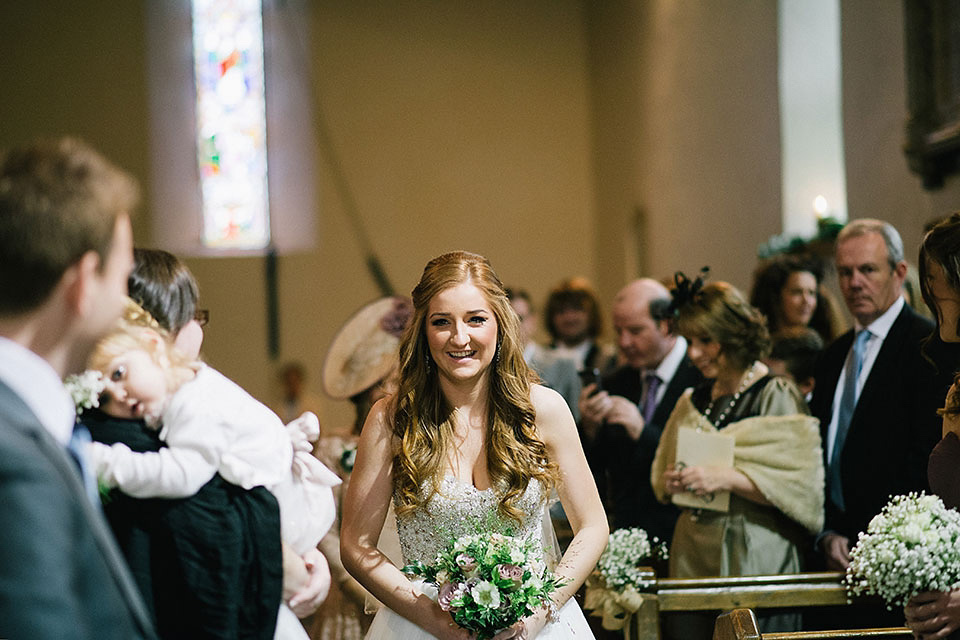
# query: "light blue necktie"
[[78, 441], [848, 402]]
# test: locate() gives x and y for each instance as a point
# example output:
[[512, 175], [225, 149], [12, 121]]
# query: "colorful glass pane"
[[231, 123]]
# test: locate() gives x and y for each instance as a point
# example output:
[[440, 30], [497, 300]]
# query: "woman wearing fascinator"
[[469, 445], [360, 366], [749, 510]]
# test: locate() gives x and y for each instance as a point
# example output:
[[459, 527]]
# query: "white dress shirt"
[[878, 329], [41, 389], [668, 367]]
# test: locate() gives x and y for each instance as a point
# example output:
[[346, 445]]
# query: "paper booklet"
[[703, 449]]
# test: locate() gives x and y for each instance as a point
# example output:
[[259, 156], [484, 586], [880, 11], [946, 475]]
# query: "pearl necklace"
[[744, 383]]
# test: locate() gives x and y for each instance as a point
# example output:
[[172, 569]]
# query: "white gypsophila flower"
[[626, 549], [85, 389], [518, 555], [913, 545], [533, 581]]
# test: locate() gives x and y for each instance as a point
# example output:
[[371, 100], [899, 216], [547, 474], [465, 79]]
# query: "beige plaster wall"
[[606, 139], [879, 181], [688, 153], [457, 126]]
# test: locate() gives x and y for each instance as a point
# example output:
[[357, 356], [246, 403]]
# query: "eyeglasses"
[[202, 316]]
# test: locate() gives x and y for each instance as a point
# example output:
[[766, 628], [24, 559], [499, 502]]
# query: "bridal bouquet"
[[488, 581], [912, 546]]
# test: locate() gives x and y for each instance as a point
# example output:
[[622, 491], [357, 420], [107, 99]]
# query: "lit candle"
[[820, 207]]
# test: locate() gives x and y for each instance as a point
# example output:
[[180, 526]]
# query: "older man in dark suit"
[[622, 422], [876, 394], [65, 252]]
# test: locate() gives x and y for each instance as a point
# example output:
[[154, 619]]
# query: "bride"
[[467, 443]]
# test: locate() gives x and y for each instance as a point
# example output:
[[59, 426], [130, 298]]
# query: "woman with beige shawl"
[[750, 471]]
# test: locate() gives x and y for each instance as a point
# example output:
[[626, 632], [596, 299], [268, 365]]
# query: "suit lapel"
[[884, 366], [687, 375], [822, 404], [22, 418]]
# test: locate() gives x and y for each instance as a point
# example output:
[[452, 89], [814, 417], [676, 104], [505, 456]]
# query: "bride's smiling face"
[[461, 332]]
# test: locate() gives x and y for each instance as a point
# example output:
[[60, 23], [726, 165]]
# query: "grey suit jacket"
[[560, 374], [61, 574]]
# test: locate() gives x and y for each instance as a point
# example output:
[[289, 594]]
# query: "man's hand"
[[593, 408], [624, 412], [602, 407], [836, 549]]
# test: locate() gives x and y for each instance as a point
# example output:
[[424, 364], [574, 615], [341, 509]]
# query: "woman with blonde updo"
[[775, 483], [469, 440]]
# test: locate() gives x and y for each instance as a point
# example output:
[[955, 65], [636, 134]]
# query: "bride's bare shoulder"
[[379, 422]]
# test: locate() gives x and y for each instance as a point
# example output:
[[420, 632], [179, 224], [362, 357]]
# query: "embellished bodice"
[[459, 509]]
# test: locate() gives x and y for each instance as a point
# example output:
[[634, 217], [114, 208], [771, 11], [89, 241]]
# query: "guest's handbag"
[[697, 448]]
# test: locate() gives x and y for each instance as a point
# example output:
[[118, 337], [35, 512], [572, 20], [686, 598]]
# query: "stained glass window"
[[231, 123]]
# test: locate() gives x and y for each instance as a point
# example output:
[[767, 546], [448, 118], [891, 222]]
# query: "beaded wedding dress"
[[460, 509]]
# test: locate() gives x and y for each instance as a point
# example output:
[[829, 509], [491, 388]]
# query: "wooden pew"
[[741, 624], [723, 594]]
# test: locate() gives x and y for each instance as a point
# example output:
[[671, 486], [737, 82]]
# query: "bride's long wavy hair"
[[423, 418]]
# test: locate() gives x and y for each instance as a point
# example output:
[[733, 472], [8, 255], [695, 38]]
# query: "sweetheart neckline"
[[463, 483]]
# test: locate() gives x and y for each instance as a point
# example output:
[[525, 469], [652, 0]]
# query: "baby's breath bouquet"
[[912, 546], [615, 589], [619, 565], [488, 581], [85, 389]]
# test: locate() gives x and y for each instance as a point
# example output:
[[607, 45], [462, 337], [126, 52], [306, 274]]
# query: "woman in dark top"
[[937, 614], [208, 566]]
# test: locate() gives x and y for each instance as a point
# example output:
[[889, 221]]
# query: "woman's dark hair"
[[573, 294], [941, 245], [164, 286], [771, 277]]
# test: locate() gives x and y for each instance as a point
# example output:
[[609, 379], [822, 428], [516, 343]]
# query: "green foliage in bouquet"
[[912, 546], [487, 582]]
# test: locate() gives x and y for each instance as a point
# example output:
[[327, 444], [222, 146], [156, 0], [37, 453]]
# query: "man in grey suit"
[[65, 252]]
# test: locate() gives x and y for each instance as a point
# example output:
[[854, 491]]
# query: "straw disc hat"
[[365, 349]]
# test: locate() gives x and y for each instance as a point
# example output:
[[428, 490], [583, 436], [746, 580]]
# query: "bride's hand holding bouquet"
[[493, 585]]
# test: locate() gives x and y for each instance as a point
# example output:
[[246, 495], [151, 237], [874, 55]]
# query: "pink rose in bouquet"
[[511, 572], [466, 563], [449, 593]]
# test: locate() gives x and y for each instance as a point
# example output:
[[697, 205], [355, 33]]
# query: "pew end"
[[741, 624]]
